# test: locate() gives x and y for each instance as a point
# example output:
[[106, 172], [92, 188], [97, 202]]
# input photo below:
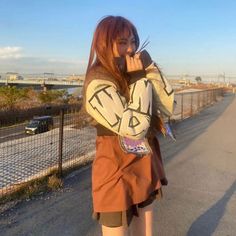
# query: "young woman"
[[127, 172]]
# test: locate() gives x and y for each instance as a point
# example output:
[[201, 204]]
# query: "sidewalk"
[[199, 200]]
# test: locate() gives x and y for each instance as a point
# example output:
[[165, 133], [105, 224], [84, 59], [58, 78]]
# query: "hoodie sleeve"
[[106, 105], [163, 94]]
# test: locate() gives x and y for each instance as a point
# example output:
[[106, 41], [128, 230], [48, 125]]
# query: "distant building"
[[13, 76], [184, 81], [49, 76], [74, 77]]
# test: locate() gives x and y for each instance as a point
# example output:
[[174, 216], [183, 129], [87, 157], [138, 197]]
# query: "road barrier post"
[[191, 104], [61, 124]]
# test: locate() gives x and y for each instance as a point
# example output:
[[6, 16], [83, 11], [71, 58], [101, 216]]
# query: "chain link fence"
[[25, 157], [70, 143], [190, 103]]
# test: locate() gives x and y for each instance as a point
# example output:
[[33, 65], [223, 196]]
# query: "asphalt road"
[[199, 200], [18, 131]]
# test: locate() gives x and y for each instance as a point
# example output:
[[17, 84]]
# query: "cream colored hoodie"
[[109, 108]]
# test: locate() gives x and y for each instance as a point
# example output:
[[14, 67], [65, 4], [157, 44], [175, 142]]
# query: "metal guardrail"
[[41, 81], [190, 103]]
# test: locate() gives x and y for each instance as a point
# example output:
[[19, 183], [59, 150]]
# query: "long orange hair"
[[101, 53]]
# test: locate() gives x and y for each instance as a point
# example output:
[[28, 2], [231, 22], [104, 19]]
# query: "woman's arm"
[[163, 94], [106, 105]]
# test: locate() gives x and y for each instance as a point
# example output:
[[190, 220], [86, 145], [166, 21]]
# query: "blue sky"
[[186, 37]]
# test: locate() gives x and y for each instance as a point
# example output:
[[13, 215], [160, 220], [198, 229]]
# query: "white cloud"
[[10, 52]]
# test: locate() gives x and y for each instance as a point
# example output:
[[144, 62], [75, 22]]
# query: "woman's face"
[[124, 45]]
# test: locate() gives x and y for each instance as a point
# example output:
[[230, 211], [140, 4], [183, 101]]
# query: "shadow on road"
[[189, 129], [66, 212], [212, 216]]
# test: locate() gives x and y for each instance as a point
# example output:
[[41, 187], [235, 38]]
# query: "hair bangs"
[[124, 29]]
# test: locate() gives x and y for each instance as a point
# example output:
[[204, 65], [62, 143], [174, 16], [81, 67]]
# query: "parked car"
[[39, 124]]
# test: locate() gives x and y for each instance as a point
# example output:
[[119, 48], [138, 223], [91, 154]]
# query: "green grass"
[[33, 188]]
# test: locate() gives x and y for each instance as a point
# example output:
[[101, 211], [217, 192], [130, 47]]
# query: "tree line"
[[17, 98]]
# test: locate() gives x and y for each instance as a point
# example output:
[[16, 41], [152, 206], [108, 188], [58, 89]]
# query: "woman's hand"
[[134, 63]]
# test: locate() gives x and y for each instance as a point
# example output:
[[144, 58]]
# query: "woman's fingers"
[[129, 63], [134, 63]]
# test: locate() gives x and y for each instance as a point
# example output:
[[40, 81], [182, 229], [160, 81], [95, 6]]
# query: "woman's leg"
[[114, 231], [142, 225]]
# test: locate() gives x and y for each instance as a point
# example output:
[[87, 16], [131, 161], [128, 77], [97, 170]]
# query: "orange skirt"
[[120, 180]]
